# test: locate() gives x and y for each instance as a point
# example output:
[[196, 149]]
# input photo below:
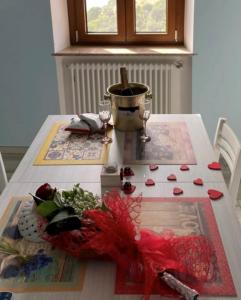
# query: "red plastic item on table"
[[128, 172], [177, 191], [153, 167], [198, 181], [184, 168], [214, 166], [172, 177], [214, 194], [149, 182]]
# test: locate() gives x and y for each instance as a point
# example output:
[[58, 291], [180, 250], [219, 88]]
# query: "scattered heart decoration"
[[214, 166], [129, 191], [172, 177], [128, 172], [177, 191], [153, 167], [184, 168], [198, 181], [149, 182], [214, 194]]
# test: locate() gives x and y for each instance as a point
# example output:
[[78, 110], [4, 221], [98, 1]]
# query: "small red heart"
[[149, 182], [198, 181], [172, 177], [184, 168], [214, 166], [215, 194], [128, 172], [153, 167], [130, 191], [177, 191]]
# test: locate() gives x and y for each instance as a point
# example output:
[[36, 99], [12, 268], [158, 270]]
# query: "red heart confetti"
[[215, 194], [129, 190], [128, 172], [149, 182], [198, 181], [214, 166], [172, 177], [184, 168], [153, 167], [177, 191]]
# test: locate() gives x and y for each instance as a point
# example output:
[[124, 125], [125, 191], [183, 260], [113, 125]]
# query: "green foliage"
[[77, 198], [150, 17], [47, 208]]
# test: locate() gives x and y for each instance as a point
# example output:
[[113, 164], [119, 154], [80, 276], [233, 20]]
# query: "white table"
[[99, 280], [26, 172]]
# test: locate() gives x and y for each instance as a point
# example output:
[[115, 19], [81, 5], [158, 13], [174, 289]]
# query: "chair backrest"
[[3, 175], [227, 144]]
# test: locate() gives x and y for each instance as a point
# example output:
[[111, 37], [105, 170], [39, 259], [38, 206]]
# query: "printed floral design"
[[13, 263], [67, 146], [170, 144]]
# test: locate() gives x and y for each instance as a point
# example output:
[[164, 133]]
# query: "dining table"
[[99, 278]]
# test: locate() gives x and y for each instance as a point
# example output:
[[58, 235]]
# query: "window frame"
[[126, 26]]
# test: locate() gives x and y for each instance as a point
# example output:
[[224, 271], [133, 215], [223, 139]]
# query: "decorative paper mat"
[[63, 148], [184, 216], [65, 273], [170, 144]]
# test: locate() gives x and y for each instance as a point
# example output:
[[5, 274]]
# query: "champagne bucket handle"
[[148, 95], [107, 96]]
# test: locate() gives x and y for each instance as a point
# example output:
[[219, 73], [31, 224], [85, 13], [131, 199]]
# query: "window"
[[126, 21]]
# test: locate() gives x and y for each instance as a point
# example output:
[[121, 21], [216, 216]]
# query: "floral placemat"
[[62, 273], [184, 217], [170, 144], [63, 148]]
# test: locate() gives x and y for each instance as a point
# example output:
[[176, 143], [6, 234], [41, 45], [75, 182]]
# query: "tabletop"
[[100, 276], [27, 172]]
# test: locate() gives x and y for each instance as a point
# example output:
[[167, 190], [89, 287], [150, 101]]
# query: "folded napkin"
[[78, 126], [92, 120]]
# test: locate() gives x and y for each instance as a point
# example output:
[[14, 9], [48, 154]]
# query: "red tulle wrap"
[[144, 254]]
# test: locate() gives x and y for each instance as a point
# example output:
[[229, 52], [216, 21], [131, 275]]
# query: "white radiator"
[[89, 81]]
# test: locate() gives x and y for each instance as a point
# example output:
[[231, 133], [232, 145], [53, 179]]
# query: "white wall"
[[28, 84], [217, 65]]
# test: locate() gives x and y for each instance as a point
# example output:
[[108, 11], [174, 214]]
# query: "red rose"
[[45, 192]]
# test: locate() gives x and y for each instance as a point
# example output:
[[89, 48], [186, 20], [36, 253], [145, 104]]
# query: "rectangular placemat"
[[170, 144], [183, 216], [65, 273], [63, 148]]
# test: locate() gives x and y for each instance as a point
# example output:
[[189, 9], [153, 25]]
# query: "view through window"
[[126, 21]]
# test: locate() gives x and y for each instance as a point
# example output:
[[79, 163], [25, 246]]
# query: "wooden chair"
[[3, 175], [227, 145]]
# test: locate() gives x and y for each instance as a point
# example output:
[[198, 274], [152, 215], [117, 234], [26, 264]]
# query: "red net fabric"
[[142, 253]]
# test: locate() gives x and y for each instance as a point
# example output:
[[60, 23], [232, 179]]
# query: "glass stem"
[[144, 123], [105, 127]]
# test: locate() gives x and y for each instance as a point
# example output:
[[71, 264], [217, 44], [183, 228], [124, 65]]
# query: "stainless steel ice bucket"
[[125, 109]]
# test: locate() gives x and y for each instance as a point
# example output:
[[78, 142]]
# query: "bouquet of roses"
[[83, 225]]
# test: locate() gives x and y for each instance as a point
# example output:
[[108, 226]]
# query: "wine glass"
[[144, 115], [105, 114]]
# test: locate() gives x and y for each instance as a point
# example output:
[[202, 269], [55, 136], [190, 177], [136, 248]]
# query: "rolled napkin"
[[92, 120], [78, 126]]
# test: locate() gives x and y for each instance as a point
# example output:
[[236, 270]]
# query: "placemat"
[[63, 148], [170, 144], [65, 273], [184, 216]]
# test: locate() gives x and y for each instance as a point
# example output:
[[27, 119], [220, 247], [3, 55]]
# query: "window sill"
[[130, 50]]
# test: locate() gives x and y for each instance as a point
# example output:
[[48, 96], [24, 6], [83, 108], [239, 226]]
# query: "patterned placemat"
[[170, 144], [184, 216], [63, 148], [64, 273]]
